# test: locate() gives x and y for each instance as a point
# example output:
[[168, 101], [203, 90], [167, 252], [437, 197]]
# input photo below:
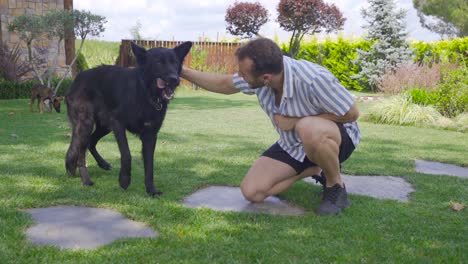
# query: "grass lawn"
[[99, 52], [210, 139]]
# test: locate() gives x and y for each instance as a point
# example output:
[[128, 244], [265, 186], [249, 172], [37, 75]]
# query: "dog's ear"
[[182, 50], [140, 53]]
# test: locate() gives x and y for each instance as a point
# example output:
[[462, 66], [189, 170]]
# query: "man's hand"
[[285, 123]]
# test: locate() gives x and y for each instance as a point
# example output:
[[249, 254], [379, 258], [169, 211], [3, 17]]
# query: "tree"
[[245, 19], [29, 28], [444, 17], [135, 31], [85, 24], [386, 30], [303, 17], [56, 25]]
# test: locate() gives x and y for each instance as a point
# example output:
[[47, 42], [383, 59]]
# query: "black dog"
[[112, 98]]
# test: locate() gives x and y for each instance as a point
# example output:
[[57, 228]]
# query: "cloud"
[[191, 19]]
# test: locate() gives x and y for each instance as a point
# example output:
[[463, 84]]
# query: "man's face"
[[245, 71]]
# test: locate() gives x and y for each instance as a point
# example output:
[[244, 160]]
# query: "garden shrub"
[[338, 57], [445, 51], [453, 92], [81, 63], [423, 97], [15, 90], [410, 75]]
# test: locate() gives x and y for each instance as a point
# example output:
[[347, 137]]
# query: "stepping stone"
[[430, 167], [73, 227], [222, 198], [381, 187]]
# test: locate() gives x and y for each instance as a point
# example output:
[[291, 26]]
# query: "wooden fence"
[[204, 55]]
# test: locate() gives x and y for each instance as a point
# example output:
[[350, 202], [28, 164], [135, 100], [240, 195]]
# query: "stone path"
[[222, 198], [381, 187], [73, 227], [430, 167]]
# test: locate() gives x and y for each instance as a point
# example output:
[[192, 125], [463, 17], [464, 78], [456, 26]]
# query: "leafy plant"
[[423, 97], [81, 64], [453, 92], [12, 68]]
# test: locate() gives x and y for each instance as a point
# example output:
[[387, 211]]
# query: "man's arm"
[[213, 82], [288, 123], [350, 116]]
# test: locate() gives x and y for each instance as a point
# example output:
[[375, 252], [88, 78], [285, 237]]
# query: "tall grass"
[[99, 52], [400, 110]]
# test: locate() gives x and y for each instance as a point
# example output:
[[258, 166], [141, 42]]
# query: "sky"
[[194, 19]]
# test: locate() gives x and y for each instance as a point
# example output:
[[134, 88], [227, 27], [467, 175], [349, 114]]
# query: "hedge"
[[11, 90], [338, 55]]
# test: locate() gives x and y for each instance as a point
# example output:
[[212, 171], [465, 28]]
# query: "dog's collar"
[[157, 105]]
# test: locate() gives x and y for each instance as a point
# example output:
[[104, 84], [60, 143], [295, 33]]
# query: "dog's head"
[[55, 102], [162, 67]]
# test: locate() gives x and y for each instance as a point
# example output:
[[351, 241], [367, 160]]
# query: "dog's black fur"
[[112, 98]]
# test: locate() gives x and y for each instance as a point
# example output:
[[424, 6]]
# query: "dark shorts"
[[277, 153]]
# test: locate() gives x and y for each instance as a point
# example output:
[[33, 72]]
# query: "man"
[[313, 113]]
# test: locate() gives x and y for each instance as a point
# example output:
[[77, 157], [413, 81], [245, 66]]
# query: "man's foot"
[[322, 180], [334, 200]]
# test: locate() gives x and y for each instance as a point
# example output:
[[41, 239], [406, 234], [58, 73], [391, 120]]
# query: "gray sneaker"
[[334, 200]]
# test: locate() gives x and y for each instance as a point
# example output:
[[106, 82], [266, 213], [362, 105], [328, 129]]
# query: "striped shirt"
[[308, 90]]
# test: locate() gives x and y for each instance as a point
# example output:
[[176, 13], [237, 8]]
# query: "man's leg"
[[268, 176], [321, 139]]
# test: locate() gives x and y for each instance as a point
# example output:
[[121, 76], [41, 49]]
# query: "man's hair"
[[265, 54]]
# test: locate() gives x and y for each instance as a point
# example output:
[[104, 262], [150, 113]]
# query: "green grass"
[[212, 139], [99, 52]]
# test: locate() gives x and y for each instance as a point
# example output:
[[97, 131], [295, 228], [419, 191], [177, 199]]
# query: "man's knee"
[[251, 192], [314, 130], [310, 131]]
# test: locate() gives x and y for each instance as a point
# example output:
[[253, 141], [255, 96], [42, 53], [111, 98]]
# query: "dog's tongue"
[[161, 83]]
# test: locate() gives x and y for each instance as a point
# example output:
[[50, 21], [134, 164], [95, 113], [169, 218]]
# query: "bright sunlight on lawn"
[[212, 139]]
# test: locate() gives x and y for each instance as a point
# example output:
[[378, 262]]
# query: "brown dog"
[[44, 95]]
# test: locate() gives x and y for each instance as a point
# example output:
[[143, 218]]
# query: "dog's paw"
[[124, 181], [88, 183], [153, 193], [71, 172]]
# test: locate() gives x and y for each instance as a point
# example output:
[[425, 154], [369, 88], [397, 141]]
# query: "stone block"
[[4, 10], [12, 3], [17, 11], [4, 3]]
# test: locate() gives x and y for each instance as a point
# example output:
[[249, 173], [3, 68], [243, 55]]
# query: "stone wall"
[[9, 9]]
